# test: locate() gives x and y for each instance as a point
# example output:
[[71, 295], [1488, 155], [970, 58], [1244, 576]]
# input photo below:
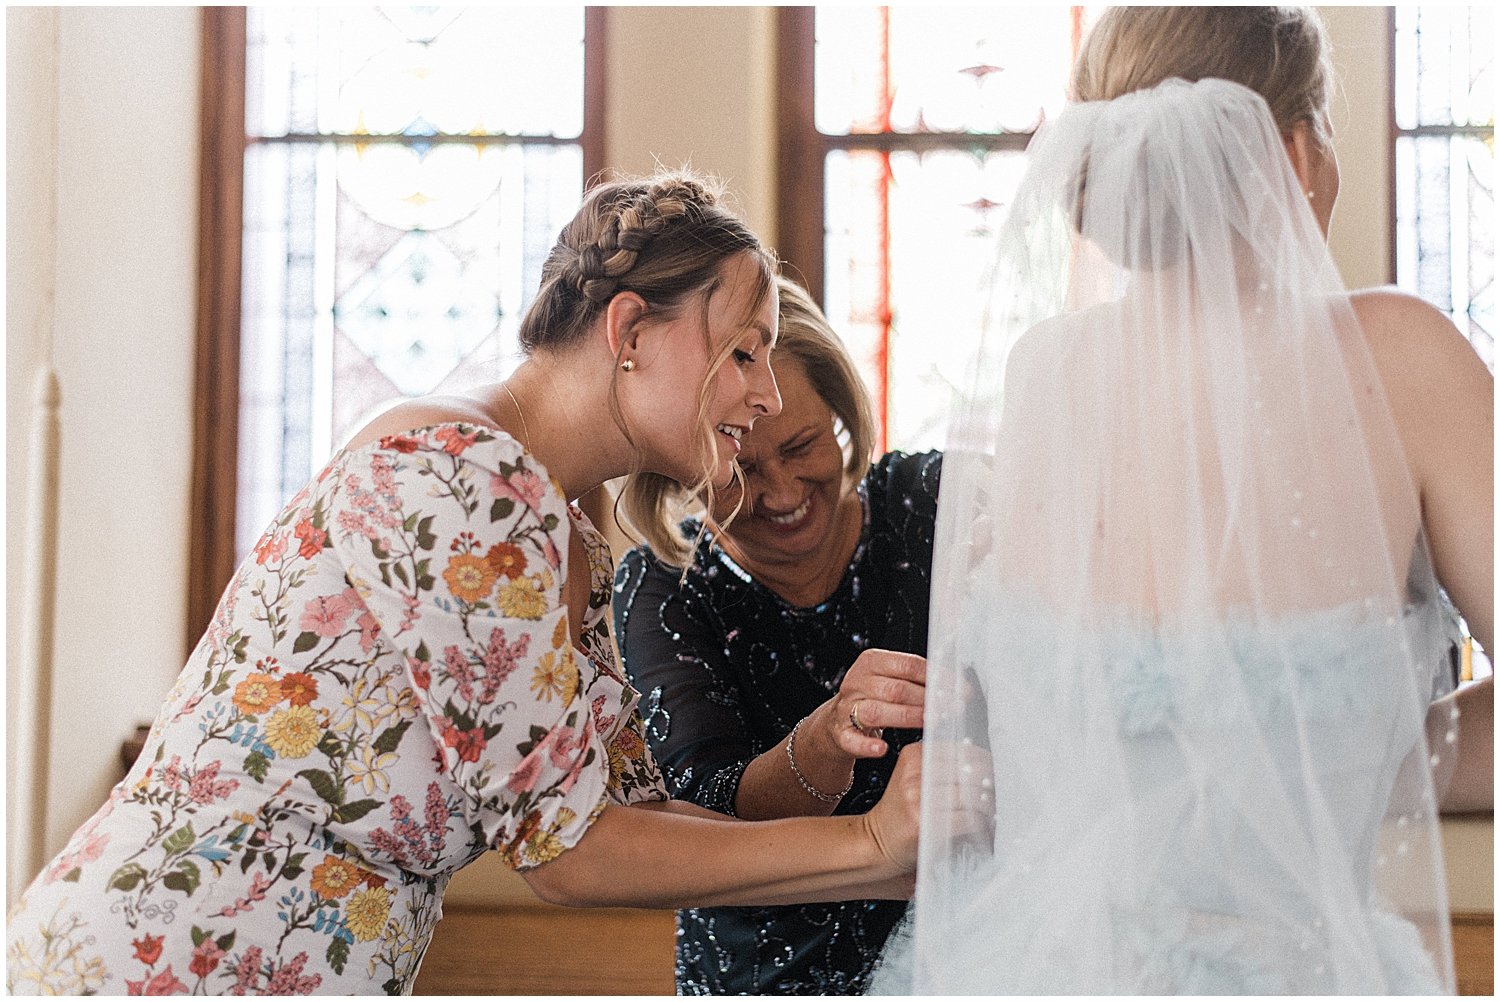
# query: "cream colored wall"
[[106, 294], [109, 137]]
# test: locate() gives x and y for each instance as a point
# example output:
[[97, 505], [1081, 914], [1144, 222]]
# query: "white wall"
[[107, 107]]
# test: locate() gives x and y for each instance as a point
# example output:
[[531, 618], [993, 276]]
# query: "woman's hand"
[[881, 689], [892, 823]]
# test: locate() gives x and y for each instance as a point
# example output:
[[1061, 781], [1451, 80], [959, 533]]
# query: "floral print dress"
[[387, 690]]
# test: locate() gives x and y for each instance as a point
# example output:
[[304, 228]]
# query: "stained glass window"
[[1444, 87], [924, 114], [406, 171]]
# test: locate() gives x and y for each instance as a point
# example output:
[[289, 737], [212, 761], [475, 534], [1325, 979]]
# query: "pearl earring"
[[1310, 194], [628, 365]]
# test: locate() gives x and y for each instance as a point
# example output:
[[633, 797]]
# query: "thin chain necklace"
[[526, 431]]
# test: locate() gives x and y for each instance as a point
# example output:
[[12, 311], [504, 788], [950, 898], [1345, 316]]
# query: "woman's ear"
[[622, 322], [1301, 149]]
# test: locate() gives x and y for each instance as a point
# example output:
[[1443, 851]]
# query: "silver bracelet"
[[826, 798]]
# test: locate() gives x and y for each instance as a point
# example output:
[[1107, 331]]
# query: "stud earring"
[[628, 365], [1311, 194]]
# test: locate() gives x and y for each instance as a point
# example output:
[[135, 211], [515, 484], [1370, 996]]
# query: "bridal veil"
[[1184, 629]]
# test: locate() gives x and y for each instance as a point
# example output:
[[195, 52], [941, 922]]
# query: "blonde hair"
[[808, 338], [666, 238], [1281, 53]]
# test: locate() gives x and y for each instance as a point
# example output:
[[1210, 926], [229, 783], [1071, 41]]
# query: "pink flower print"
[[459, 671], [205, 788], [454, 441], [325, 615], [549, 550], [165, 983], [500, 660], [288, 980], [259, 884], [369, 630], [247, 972], [525, 775], [602, 721], [562, 746], [205, 957], [580, 758], [412, 614], [522, 486]]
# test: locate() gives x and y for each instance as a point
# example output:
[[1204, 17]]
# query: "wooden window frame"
[[216, 403]]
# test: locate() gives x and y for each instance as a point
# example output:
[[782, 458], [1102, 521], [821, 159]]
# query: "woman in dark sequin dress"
[[772, 670]]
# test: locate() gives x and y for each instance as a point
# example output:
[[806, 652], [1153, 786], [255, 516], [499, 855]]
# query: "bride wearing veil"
[[1187, 623]]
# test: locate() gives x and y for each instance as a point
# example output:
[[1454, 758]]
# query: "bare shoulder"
[[423, 412], [1415, 345]]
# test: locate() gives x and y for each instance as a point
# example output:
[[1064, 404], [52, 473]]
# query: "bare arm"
[[1443, 401], [885, 688], [677, 855]]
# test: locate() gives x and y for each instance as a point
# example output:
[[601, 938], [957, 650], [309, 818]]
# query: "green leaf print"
[[355, 810], [390, 738], [256, 765], [127, 877], [338, 955], [306, 641], [323, 785], [185, 878], [425, 538], [501, 509], [179, 840], [550, 522]]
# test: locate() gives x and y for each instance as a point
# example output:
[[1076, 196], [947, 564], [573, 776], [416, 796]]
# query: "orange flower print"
[[270, 549], [299, 688], [469, 577], [507, 559], [312, 539], [400, 443], [334, 877], [257, 694], [455, 441], [469, 744], [148, 948], [165, 983]]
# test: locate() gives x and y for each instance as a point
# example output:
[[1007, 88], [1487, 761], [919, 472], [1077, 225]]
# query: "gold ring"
[[854, 716]]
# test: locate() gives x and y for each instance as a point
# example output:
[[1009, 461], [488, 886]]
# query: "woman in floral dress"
[[413, 665]]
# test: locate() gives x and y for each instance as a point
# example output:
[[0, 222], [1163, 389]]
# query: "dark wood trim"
[[800, 151], [595, 66], [216, 401]]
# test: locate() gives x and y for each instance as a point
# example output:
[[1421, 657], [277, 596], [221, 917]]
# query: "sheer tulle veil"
[[1184, 627]]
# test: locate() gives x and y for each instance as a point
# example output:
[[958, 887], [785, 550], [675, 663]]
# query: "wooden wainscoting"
[[535, 949]]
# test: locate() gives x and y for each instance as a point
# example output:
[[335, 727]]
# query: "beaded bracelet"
[[826, 798]]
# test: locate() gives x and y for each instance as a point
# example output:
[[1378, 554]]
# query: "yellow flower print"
[[334, 877], [556, 675], [294, 732], [470, 577], [257, 694], [367, 913], [565, 817], [543, 847], [368, 770], [522, 598], [360, 707], [560, 632], [617, 763], [56, 963]]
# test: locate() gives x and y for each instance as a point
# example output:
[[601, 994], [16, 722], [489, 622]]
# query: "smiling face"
[[705, 377], [800, 513]]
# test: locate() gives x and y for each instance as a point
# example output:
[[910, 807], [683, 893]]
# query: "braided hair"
[[665, 238]]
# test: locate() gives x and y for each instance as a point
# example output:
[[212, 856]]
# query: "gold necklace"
[[520, 414]]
